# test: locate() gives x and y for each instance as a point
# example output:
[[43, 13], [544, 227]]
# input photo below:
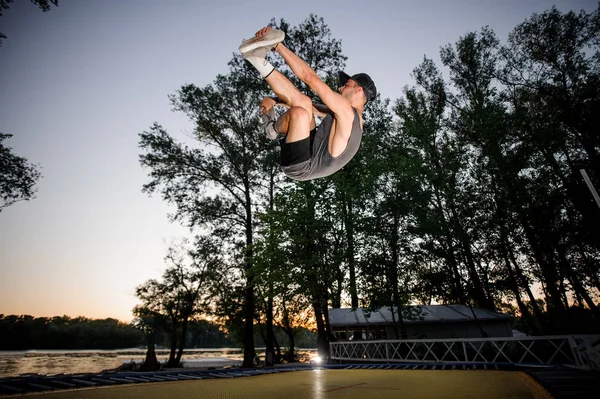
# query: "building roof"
[[412, 314]]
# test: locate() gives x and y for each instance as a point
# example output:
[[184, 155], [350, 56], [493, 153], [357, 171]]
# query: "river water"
[[53, 362]]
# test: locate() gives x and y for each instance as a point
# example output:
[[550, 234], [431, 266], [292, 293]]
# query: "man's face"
[[348, 89]]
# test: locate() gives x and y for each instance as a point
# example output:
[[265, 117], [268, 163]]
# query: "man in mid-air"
[[307, 151]]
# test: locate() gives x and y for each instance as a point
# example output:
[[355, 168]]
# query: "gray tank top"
[[322, 163]]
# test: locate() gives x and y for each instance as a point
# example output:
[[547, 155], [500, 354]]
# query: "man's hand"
[[267, 104], [263, 31]]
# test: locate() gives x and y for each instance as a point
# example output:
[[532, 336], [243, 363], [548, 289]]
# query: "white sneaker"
[[260, 53], [270, 40]]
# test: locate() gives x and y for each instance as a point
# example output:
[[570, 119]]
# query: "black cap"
[[363, 81]]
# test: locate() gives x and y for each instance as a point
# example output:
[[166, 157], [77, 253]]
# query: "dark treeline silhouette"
[[63, 332]]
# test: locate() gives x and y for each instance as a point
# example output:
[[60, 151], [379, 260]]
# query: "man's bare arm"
[[280, 102], [319, 110], [338, 105]]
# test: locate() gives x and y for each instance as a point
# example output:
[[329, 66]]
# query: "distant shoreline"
[[136, 350]]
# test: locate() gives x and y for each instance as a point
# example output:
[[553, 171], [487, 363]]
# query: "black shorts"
[[298, 151]]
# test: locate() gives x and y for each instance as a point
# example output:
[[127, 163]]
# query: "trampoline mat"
[[325, 384]]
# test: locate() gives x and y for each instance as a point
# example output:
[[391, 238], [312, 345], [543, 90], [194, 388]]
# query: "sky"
[[80, 82]]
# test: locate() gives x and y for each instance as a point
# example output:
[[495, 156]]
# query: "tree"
[[17, 176], [502, 141], [309, 205], [217, 184], [552, 79], [307, 215], [436, 176], [472, 197], [354, 186], [44, 5], [149, 323], [63, 332], [392, 199], [221, 184], [180, 295]]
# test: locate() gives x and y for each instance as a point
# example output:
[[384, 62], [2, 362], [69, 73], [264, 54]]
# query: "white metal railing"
[[575, 350], [588, 351]]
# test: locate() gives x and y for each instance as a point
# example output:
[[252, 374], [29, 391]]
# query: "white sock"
[[271, 131], [258, 59], [268, 122]]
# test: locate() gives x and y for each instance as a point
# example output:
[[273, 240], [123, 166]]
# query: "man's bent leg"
[[298, 120], [297, 64], [295, 124], [296, 158]]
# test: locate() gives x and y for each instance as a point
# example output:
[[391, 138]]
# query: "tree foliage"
[[18, 177], [22, 332], [44, 5], [467, 188], [63, 332], [182, 293]]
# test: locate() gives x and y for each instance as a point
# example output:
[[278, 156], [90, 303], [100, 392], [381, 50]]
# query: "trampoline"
[[338, 381]]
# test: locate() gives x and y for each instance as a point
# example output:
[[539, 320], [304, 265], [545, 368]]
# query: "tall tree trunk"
[[393, 273], [269, 342], [479, 295], [172, 354], [525, 285], [458, 295], [518, 198], [249, 350], [277, 349], [349, 217], [291, 353], [571, 183], [325, 310], [322, 338], [395, 325], [318, 287], [547, 267], [336, 300], [150, 362], [563, 293], [576, 283], [527, 317], [270, 338], [516, 276], [290, 333], [184, 326]]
